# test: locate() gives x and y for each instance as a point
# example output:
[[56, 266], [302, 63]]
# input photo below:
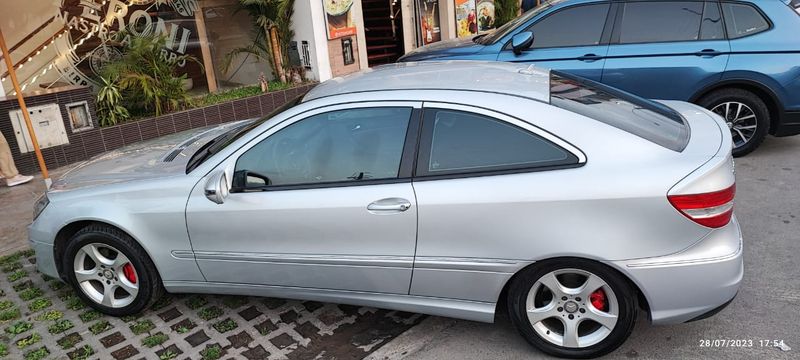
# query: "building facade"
[[60, 43]]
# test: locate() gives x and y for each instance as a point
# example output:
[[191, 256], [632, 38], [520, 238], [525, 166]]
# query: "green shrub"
[[40, 304], [30, 293], [142, 326], [37, 354], [99, 327], [60, 326], [155, 340], [16, 275], [211, 352], [19, 327], [50, 315], [29, 340]]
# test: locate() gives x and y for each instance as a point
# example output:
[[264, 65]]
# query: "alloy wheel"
[[572, 308], [106, 275], [741, 120]]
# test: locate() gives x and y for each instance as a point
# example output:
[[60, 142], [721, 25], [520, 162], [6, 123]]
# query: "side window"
[[644, 22], [711, 28], [457, 142], [345, 145], [743, 20], [586, 27]]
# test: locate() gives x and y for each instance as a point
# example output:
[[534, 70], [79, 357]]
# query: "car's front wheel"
[[572, 308], [110, 271]]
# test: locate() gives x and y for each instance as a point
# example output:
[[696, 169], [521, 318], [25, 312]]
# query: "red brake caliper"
[[598, 299], [130, 274]]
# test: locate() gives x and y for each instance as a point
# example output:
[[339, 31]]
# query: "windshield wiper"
[[200, 155], [477, 38]]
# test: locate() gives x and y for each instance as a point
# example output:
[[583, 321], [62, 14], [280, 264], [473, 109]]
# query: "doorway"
[[383, 27]]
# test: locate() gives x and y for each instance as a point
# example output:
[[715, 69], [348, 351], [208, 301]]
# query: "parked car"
[[416, 188], [736, 58]]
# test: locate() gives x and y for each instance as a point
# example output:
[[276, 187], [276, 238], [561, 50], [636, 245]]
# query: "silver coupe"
[[446, 188]]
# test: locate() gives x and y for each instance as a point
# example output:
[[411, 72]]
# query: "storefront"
[[58, 43]]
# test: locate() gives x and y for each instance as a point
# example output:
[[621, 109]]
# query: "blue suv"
[[740, 59]]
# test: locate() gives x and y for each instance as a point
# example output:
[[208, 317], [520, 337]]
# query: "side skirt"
[[460, 309]]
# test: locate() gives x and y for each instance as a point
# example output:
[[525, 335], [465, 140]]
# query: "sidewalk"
[[16, 210]]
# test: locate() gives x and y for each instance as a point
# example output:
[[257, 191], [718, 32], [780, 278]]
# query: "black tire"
[[752, 101], [149, 282], [625, 295]]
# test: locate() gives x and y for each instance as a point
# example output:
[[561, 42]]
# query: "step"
[[381, 56], [380, 47]]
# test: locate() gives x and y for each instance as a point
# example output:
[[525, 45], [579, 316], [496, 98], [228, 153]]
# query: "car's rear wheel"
[[745, 113], [110, 271], [572, 308]]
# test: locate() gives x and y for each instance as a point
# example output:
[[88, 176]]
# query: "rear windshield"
[[641, 117]]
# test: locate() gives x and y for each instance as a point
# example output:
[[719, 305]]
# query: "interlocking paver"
[[42, 318]]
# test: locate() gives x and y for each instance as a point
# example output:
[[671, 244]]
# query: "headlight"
[[39, 206]]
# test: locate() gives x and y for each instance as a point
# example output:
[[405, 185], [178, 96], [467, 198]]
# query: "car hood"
[[156, 158], [443, 48]]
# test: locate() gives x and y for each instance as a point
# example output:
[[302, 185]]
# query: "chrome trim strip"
[[470, 264], [341, 260], [183, 254]]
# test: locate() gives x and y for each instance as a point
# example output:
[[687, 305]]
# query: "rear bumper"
[[694, 282], [789, 124]]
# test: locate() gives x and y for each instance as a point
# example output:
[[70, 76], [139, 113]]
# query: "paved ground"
[[768, 208], [41, 318]]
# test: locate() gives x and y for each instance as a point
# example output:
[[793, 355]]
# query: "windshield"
[[220, 142], [511, 25]]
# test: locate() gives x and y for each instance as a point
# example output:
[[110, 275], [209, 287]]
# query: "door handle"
[[590, 57], [389, 205], [708, 53]]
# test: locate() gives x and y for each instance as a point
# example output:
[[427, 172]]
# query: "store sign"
[[339, 18], [429, 21], [474, 16], [93, 24]]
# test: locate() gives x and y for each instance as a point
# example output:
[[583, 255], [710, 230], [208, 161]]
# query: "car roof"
[[482, 76]]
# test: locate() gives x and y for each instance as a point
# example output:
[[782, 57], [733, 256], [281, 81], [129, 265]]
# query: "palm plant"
[[272, 23], [109, 103], [147, 79]]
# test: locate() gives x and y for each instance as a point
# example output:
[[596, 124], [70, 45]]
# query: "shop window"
[[79, 118]]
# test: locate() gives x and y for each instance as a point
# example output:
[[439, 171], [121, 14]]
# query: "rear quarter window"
[[743, 20], [644, 118]]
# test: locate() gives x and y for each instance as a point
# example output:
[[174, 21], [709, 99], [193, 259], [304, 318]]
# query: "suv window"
[[711, 28], [644, 22], [644, 118], [743, 20], [344, 145], [457, 142], [552, 32]]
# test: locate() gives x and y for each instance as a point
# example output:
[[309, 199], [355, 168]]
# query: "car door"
[[322, 202], [478, 177], [571, 39], [666, 49]]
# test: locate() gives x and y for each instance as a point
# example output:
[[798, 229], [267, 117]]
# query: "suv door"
[[570, 39], [666, 49], [322, 202]]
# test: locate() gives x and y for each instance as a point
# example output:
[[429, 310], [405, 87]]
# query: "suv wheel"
[[110, 271], [572, 308], [746, 115]]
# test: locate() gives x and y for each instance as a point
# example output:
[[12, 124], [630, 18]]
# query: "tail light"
[[713, 209]]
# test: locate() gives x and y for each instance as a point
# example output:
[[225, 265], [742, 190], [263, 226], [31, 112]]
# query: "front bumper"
[[686, 285], [45, 259]]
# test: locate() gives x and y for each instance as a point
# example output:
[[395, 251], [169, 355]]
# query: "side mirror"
[[216, 188], [521, 42]]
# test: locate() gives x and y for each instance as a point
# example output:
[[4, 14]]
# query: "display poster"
[[466, 18], [339, 18], [429, 21]]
